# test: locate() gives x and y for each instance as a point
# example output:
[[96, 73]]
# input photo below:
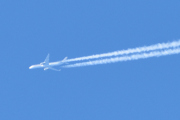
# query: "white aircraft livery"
[[46, 65], [156, 50]]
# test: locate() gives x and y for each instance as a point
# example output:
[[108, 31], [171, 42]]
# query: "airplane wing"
[[52, 69], [46, 61], [64, 59]]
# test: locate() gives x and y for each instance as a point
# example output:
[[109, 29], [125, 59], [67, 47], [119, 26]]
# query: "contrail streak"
[[127, 58], [159, 46]]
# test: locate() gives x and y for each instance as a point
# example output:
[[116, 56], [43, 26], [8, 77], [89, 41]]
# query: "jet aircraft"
[[46, 65]]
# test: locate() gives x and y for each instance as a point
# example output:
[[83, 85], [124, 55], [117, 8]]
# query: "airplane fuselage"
[[44, 65], [36, 66]]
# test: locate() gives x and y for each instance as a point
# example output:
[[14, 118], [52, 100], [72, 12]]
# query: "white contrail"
[[159, 46], [127, 58]]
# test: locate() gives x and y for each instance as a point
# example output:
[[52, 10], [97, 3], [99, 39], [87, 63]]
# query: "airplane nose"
[[35, 66], [30, 67]]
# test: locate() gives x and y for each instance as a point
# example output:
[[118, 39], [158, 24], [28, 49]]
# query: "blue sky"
[[139, 90]]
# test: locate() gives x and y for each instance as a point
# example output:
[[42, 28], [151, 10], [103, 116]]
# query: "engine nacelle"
[[46, 68]]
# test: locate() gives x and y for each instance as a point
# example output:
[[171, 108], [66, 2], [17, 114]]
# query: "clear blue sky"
[[135, 90]]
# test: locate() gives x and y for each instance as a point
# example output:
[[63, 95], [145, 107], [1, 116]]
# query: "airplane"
[[46, 65]]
